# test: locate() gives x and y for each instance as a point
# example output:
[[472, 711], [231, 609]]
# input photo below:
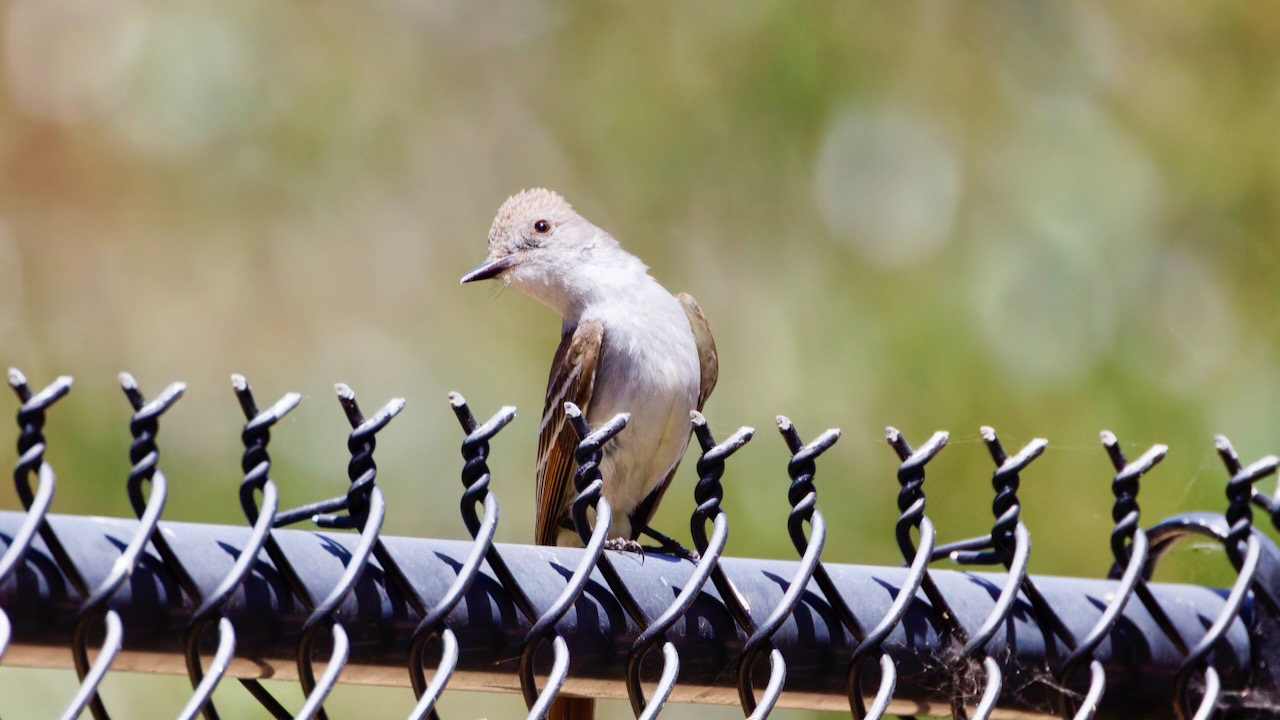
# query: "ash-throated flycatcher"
[[626, 345]]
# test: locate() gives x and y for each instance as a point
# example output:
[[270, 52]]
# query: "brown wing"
[[572, 379], [708, 361], [709, 366]]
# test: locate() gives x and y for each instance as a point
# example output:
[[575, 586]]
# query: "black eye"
[[542, 226]]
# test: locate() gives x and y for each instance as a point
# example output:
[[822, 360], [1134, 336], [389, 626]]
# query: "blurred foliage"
[[1049, 218]]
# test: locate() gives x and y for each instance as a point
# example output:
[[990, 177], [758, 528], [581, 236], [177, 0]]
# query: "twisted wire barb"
[[143, 453], [476, 477], [803, 496], [1126, 513], [256, 465], [1008, 532], [589, 484], [475, 493], [1008, 544], [94, 609], [707, 494], [366, 509], [1008, 525], [911, 503], [1130, 548], [1240, 533], [588, 456], [1239, 493], [31, 447]]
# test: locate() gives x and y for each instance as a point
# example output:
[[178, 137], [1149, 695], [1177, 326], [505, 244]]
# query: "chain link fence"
[[343, 603]]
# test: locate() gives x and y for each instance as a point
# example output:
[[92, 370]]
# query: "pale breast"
[[650, 369]]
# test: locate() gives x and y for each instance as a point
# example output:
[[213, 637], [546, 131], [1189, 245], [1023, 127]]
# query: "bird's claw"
[[668, 545], [624, 545], [676, 550]]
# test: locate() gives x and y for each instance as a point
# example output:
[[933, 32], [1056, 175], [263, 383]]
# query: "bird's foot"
[[624, 545], [667, 545], [675, 549]]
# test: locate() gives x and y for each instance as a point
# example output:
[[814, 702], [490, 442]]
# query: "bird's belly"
[[639, 458]]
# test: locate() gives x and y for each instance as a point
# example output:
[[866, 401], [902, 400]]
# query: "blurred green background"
[[1049, 218]]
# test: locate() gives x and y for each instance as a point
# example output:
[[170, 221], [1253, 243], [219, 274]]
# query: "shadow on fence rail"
[[260, 601]]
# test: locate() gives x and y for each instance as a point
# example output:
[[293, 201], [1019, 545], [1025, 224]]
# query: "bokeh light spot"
[[63, 57], [190, 83], [1044, 305], [887, 183], [1199, 323]]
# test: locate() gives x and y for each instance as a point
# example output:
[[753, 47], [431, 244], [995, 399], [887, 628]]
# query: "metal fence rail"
[[350, 605]]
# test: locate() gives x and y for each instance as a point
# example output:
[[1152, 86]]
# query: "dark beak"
[[489, 269]]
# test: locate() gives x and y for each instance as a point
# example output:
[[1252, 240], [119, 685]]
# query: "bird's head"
[[539, 246]]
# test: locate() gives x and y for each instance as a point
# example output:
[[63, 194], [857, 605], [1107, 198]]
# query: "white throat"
[[580, 285]]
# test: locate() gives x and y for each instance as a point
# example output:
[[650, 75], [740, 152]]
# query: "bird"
[[626, 345]]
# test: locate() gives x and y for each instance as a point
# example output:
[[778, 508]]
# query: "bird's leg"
[[667, 545]]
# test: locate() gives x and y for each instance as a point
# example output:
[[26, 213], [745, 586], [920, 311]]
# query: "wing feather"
[[572, 379], [708, 360]]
